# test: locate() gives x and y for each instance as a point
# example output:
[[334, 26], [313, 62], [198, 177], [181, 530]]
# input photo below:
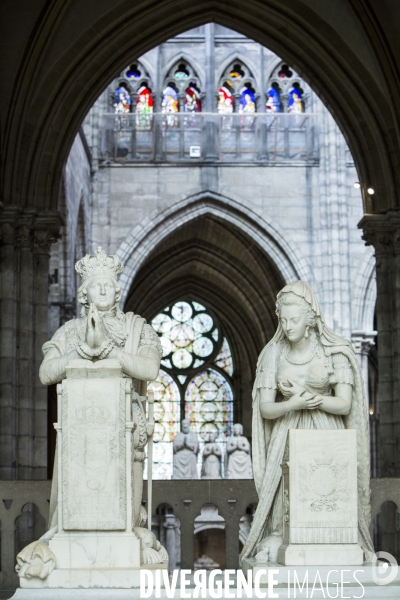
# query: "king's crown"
[[99, 262]]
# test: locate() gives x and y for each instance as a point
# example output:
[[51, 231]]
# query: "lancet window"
[[285, 91], [194, 381], [134, 94], [181, 91], [237, 90]]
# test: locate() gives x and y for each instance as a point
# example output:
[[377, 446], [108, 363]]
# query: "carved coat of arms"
[[323, 483]]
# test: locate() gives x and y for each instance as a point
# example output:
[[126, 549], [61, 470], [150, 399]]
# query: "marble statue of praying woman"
[[104, 331], [186, 449], [307, 377], [238, 455], [211, 467]]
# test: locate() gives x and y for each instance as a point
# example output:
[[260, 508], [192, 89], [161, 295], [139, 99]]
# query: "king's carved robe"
[[136, 345]]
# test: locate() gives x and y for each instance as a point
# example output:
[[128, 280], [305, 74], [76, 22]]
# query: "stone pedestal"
[[320, 518], [96, 545]]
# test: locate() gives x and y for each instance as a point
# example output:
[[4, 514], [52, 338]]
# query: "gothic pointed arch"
[[151, 232]]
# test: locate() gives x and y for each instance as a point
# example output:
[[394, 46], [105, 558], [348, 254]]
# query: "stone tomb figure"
[[186, 449], [307, 377], [104, 360], [211, 467], [238, 455]]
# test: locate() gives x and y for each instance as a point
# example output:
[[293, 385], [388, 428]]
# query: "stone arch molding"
[[145, 236], [191, 60], [41, 121], [237, 57]]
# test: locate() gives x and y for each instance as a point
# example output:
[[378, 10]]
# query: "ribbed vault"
[[213, 262]]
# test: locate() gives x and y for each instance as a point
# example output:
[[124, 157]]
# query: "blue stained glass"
[[122, 100], [247, 103], [295, 101], [273, 101]]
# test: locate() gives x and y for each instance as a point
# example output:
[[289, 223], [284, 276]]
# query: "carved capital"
[[382, 231], [28, 228], [8, 224], [363, 341], [46, 231]]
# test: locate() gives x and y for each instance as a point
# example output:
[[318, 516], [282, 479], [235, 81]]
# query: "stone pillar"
[[362, 342], [26, 236], [211, 118], [171, 525], [383, 232]]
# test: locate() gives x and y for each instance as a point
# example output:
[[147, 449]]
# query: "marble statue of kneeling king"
[[103, 331]]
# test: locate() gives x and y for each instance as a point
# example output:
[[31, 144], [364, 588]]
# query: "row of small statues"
[[186, 449]]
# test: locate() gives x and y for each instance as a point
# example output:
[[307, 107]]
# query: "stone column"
[[210, 134], [362, 342], [26, 236], [171, 525], [383, 232]]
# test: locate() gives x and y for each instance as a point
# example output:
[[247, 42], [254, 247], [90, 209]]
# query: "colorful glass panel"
[[189, 338], [295, 101], [224, 358], [167, 423], [209, 404], [122, 100], [236, 72], [209, 408], [170, 103], [285, 72], [192, 102], [133, 72], [273, 101], [181, 72], [247, 102], [225, 101], [144, 107]]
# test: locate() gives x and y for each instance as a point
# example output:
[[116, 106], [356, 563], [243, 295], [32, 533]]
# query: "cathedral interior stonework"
[[221, 151]]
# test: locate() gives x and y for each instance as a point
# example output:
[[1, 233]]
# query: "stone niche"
[[320, 512]]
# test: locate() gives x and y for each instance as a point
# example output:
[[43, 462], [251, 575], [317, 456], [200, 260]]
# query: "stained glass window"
[[195, 379], [192, 99], [295, 100], [284, 72], [122, 100], [181, 72], [224, 358], [247, 102], [167, 413], [236, 72], [225, 100], [209, 407], [133, 72], [144, 107], [170, 105], [273, 104]]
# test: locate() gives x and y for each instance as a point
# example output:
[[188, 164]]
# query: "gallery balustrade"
[[210, 137], [25, 506]]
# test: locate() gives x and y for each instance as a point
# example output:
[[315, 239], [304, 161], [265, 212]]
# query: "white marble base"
[[127, 578], [320, 554], [96, 550]]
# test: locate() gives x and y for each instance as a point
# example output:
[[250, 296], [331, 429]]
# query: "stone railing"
[[182, 137], [24, 510]]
